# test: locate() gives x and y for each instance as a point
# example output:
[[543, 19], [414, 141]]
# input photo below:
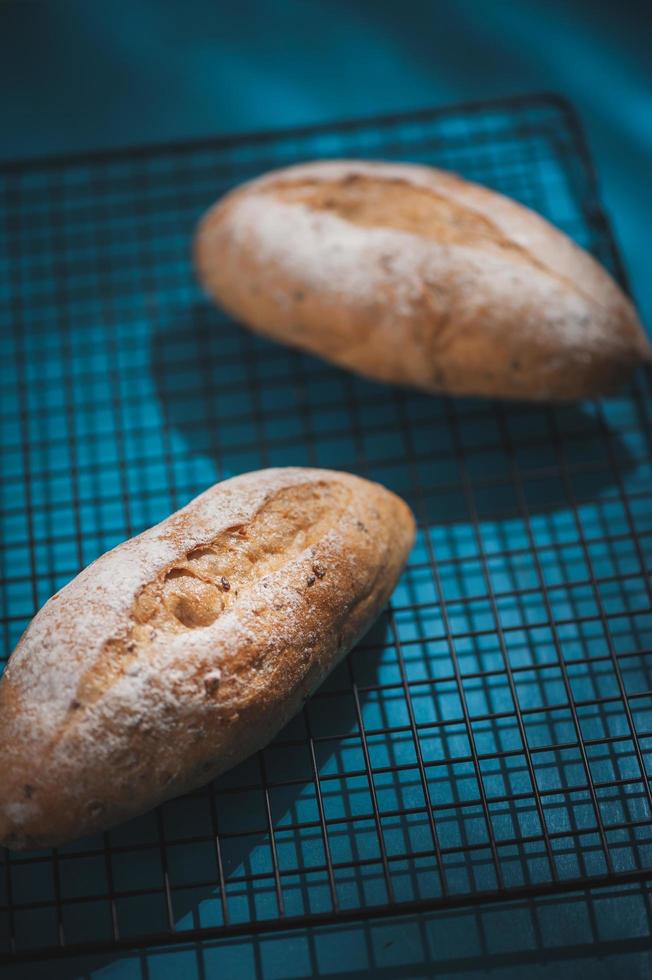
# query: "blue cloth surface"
[[81, 76]]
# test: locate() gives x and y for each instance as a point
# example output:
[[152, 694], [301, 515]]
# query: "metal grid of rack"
[[492, 736]]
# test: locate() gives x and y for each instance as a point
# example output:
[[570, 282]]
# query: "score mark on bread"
[[185, 649], [415, 276], [214, 577]]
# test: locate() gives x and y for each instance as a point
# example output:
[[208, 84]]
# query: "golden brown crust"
[[412, 275], [183, 650]]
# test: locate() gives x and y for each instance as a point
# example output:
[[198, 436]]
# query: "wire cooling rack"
[[492, 736]]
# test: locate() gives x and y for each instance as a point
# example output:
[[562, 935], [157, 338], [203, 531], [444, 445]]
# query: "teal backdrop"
[[78, 75]]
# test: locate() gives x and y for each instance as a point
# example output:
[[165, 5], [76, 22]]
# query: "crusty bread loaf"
[[412, 275], [185, 649]]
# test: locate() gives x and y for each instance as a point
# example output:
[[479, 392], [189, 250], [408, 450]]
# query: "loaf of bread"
[[412, 275], [182, 651]]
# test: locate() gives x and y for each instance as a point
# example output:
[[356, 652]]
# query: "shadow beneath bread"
[[240, 850], [245, 403], [467, 467]]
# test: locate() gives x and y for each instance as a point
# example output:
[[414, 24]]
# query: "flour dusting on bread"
[[411, 275], [186, 648]]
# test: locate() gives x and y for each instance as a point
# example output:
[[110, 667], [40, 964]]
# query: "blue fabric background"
[[79, 75]]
